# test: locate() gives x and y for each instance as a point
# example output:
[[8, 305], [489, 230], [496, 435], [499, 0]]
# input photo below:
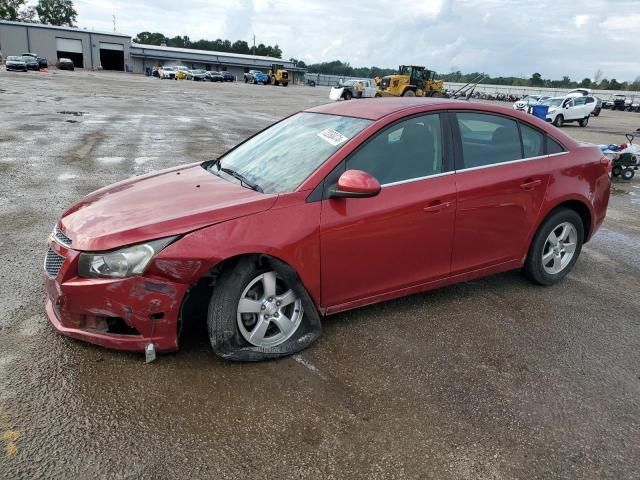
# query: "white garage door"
[[68, 45], [112, 46]]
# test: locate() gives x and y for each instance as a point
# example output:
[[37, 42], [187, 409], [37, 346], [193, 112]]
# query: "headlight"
[[122, 263]]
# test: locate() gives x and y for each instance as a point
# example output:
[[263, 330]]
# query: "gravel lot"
[[491, 379]]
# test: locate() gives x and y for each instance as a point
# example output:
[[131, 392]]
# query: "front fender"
[[289, 231]]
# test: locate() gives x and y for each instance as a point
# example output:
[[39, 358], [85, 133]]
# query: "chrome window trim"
[[511, 162], [417, 179], [401, 182]]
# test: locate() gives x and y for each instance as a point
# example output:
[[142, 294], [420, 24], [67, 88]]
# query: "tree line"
[[49, 12], [218, 45]]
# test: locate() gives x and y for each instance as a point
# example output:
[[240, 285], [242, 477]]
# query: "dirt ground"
[[491, 379]]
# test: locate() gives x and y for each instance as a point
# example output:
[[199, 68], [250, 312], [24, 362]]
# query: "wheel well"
[[195, 304], [582, 210]]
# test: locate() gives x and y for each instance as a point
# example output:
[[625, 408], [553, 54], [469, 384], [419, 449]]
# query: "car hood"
[[160, 204]]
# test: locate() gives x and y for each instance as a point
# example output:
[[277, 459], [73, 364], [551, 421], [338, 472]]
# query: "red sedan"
[[340, 206]]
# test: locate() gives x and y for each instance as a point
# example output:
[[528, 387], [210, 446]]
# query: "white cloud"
[[500, 37]]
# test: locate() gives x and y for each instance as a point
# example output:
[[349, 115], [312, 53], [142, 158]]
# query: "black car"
[[16, 64], [227, 76], [31, 62], [619, 102], [598, 108], [65, 64], [43, 62], [198, 75], [214, 76]]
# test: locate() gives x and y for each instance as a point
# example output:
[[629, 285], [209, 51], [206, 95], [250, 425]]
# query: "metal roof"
[[63, 29], [190, 51]]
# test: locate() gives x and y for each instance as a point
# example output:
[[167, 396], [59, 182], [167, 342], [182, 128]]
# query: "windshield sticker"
[[333, 137]]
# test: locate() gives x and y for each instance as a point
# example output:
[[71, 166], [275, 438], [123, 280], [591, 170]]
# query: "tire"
[[409, 93], [230, 331], [596, 113], [347, 95], [557, 266], [628, 173], [559, 121], [616, 171], [584, 122]]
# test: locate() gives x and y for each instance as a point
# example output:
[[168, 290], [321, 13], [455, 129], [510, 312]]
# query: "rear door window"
[[532, 141], [553, 146], [488, 139]]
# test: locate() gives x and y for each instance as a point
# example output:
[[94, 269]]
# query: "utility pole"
[[254, 43], [114, 22]]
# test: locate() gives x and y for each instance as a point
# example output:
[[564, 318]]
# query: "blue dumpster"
[[540, 111]]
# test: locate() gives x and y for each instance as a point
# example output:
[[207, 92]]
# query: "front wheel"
[[260, 312], [628, 173], [409, 93], [555, 247]]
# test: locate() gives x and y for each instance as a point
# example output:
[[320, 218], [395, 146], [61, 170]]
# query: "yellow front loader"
[[278, 75], [411, 81]]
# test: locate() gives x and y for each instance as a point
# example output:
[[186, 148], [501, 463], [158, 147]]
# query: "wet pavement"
[[490, 379]]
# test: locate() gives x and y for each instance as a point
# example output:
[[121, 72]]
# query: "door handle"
[[530, 184], [436, 206]]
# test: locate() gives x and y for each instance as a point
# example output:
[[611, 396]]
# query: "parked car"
[[198, 75], [16, 64], [182, 72], [579, 92], [619, 102], [598, 108], [632, 104], [375, 206], [43, 62], [227, 76], [214, 76], [525, 102], [167, 73], [569, 109], [349, 89], [31, 62], [256, 76], [65, 64]]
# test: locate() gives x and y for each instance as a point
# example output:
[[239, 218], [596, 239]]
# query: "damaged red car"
[[333, 208]]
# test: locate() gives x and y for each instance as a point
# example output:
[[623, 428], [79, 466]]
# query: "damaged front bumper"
[[122, 314]]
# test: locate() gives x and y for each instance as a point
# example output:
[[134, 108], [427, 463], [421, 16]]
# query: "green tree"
[[536, 80], [148, 38], [10, 9], [56, 12], [585, 83], [614, 85]]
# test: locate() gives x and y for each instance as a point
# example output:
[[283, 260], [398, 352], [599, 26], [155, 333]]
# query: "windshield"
[[280, 158], [554, 102], [169, 69], [14, 59]]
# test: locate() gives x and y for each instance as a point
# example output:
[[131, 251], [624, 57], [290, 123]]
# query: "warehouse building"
[[145, 57], [115, 51], [86, 48]]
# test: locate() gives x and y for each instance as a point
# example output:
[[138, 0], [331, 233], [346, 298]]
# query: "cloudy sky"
[[500, 37]]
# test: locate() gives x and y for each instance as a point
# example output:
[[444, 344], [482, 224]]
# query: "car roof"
[[376, 108]]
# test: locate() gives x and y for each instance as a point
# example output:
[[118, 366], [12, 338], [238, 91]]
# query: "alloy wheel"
[[269, 311], [559, 248]]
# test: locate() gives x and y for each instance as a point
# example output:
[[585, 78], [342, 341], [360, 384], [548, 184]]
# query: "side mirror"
[[355, 184]]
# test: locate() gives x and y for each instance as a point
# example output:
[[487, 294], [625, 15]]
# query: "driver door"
[[403, 236]]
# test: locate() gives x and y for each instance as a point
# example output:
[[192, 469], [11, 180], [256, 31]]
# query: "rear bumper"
[[122, 314]]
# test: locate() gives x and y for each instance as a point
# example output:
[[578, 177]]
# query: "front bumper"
[[122, 314]]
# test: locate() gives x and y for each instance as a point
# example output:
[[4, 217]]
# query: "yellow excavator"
[[278, 75], [411, 81]]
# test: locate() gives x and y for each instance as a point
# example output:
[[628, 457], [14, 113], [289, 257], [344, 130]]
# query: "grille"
[[61, 237], [53, 263]]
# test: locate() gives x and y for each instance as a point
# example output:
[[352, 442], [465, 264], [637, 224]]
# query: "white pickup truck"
[[348, 90]]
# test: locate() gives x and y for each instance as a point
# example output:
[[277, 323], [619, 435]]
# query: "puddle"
[[110, 160], [69, 112], [143, 160], [66, 176], [183, 119]]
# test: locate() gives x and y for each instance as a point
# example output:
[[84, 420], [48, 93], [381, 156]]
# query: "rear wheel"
[[616, 171], [260, 312], [348, 95], [559, 121], [555, 247], [584, 122]]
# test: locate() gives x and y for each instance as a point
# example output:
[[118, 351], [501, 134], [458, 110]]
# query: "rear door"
[[501, 181], [403, 236], [580, 108]]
